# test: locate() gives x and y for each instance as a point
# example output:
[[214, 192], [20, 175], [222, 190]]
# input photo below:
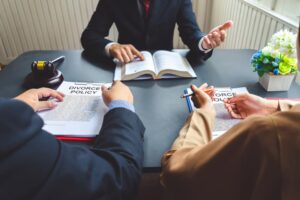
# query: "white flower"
[[283, 42], [267, 50]]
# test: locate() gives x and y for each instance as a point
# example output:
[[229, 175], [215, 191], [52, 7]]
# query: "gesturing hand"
[[33, 98], [125, 53], [244, 105], [118, 91], [216, 36]]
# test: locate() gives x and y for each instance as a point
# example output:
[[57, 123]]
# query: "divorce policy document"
[[80, 114]]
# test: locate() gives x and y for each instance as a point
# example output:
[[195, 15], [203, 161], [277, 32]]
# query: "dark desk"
[[156, 102]]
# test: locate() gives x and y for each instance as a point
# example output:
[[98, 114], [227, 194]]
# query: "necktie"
[[147, 7]]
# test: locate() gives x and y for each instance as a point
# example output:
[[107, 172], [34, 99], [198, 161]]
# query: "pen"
[[191, 94]]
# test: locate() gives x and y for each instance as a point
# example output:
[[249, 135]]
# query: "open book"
[[163, 64], [80, 114], [223, 121]]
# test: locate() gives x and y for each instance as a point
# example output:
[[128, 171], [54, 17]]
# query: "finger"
[[117, 83], [213, 44], [118, 55], [241, 112], [137, 53], [223, 35], [227, 105], [45, 105], [235, 115], [46, 92], [217, 37], [206, 43], [62, 94], [200, 94], [216, 34], [194, 88], [243, 115], [212, 41], [238, 98], [211, 93], [216, 40], [125, 56], [233, 112], [130, 55], [227, 25], [195, 101], [203, 86], [105, 93], [104, 88]]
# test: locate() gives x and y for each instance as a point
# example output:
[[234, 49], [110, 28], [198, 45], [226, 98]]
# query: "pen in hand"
[[207, 91]]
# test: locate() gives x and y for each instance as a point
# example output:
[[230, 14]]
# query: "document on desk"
[[80, 114], [223, 120]]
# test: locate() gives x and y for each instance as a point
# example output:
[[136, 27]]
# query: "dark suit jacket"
[[152, 34], [34, 165]]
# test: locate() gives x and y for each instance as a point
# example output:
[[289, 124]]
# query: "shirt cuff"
[[107, 47], [201, 48], [121, 104]]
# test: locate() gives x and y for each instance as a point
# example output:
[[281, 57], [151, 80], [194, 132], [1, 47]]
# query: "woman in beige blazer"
[[257, 159]]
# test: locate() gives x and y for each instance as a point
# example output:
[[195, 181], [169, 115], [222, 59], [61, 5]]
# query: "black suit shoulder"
[[41, 167], [145, 33]]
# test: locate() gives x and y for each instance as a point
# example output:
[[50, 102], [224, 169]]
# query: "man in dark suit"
[[147, 25], [34, 165]]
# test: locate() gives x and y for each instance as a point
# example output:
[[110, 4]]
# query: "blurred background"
[[57, 24]]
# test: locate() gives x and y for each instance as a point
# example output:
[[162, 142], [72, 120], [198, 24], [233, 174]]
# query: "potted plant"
[[276, 64]]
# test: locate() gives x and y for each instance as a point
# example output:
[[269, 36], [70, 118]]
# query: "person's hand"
[[244, 105], [202, 97], [216, 36], [125, 53], [33, 98], [118, 91]]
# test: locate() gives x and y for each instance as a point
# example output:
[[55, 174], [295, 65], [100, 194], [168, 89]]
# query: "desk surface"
[[156, 102]]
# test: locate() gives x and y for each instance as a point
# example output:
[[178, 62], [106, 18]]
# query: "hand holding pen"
[[201, 96]]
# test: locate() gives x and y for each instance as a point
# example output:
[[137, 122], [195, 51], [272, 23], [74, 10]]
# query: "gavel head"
[[43, 68]]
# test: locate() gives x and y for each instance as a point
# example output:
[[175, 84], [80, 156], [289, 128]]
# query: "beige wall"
[[253, 27], [57, 24]]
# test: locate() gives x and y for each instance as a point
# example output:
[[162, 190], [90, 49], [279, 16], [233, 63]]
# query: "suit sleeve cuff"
[[201, 48], [121, 104], [107, 48]]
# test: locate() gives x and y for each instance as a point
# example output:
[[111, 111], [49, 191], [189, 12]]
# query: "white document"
[[80, 114], [223, 120]]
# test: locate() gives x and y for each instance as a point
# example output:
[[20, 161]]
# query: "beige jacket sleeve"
[[196, 131], [286, 105]]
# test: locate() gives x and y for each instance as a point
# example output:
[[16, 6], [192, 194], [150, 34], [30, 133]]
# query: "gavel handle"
[[61, 58]]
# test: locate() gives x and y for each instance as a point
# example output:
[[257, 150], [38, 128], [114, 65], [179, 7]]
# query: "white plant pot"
[[271, 82], [297, 79]]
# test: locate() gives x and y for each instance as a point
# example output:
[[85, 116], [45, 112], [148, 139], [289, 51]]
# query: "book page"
[[139, 66], [80, 114], [166, 60]]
